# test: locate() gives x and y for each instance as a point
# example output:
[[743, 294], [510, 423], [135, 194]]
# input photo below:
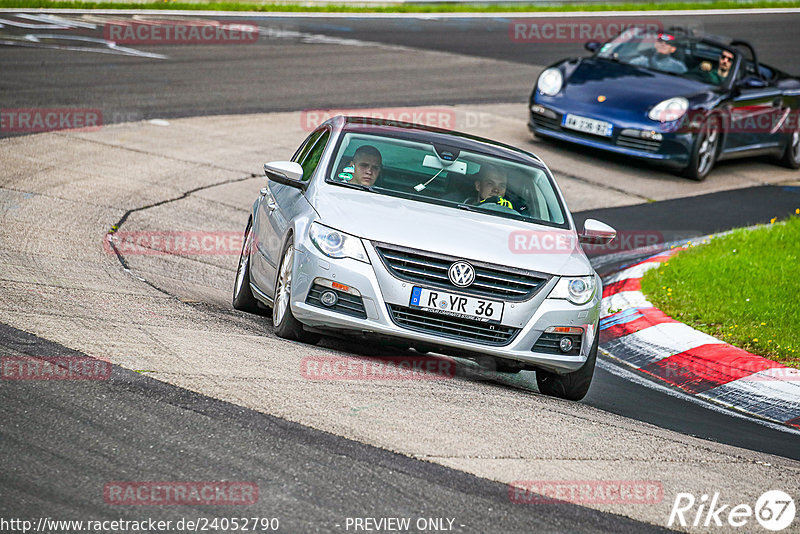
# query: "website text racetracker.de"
[[199, 524]]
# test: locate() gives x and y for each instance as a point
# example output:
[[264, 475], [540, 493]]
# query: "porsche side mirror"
[[596, 233], [285, 172], [592, 46]]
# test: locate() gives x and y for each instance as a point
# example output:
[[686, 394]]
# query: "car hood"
[[625, 86], [450, 231]]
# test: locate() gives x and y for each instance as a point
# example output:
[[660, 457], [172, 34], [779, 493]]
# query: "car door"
[[756, 110], [277, 207]]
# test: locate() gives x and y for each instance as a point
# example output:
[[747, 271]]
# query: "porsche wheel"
[[791, 156], [570, 386], [286, 326], [704, 151], [243, 298]]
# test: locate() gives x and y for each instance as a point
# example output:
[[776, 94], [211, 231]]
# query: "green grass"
[[743, 288], [392, 8]]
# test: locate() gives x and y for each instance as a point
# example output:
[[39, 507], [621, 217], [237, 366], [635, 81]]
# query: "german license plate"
[[587, 125], [454, 305]]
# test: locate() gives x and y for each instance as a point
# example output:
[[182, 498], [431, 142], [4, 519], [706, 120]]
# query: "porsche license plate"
[[453, 305], [587, 125]]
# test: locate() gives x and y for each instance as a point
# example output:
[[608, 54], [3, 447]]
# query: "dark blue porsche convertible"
[[679, 100]]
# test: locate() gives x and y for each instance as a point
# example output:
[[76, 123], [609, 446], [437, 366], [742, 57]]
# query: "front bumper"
[[673, 150], [380, 290]]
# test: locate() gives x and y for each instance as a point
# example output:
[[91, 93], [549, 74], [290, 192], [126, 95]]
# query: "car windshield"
[[446, 176], [664, 52]]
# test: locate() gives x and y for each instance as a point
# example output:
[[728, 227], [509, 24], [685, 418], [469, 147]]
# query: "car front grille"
[[637, 143], [452, 327], [548, 343], [431, 269], [347, 304]]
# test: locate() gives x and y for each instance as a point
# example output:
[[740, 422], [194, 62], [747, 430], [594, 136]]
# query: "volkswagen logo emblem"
[[461, 274]]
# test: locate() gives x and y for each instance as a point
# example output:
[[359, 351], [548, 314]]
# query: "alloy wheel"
[[284, 289], [708, 147]]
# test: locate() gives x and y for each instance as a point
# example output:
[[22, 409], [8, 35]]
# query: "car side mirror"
[[592, 46], [285, 172], [596, 233], [751, 82]]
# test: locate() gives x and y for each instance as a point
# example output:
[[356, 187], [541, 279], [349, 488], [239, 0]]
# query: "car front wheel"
[[243, 298], [286, 326], [704, 150], [570, 386]]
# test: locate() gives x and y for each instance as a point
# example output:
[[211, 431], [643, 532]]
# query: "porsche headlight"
[[550, 82], [336, 244], [669, 110], [576, 289]]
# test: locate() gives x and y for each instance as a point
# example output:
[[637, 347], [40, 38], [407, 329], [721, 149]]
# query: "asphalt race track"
[[216, 395]]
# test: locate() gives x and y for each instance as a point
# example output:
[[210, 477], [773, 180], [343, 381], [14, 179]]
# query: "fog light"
[[565, 344], [653, 136], [329, 298], [541, 110]]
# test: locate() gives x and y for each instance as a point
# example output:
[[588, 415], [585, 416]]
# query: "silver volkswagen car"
[[440, 240]]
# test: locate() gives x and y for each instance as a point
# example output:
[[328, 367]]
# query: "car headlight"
[[670, 109], [576, 289], [336, 244], [550, 82]]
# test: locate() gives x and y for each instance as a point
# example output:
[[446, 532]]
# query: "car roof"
[[429, 134]]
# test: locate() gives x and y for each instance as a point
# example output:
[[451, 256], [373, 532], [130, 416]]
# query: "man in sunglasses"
[[723, 68]]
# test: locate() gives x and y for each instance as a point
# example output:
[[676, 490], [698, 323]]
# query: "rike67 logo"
[[774, 510]]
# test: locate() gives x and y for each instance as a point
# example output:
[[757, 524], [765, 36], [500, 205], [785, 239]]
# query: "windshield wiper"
[[356, 186], [469, 208]]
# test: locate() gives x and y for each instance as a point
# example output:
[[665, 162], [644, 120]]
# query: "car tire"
[[571, 386], [791, 156], [243, 298], [285, 323], [704, 150]]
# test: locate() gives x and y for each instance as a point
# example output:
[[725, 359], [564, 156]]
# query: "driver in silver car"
[[366, 165], [490, 183]]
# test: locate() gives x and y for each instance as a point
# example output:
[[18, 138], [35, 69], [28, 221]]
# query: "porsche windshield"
[[664, 52], [446, 176]]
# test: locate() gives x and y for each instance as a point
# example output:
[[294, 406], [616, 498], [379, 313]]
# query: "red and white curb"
[[636, 333]]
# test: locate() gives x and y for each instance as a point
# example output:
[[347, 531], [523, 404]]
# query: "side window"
[[309, 159], [306, 146]]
